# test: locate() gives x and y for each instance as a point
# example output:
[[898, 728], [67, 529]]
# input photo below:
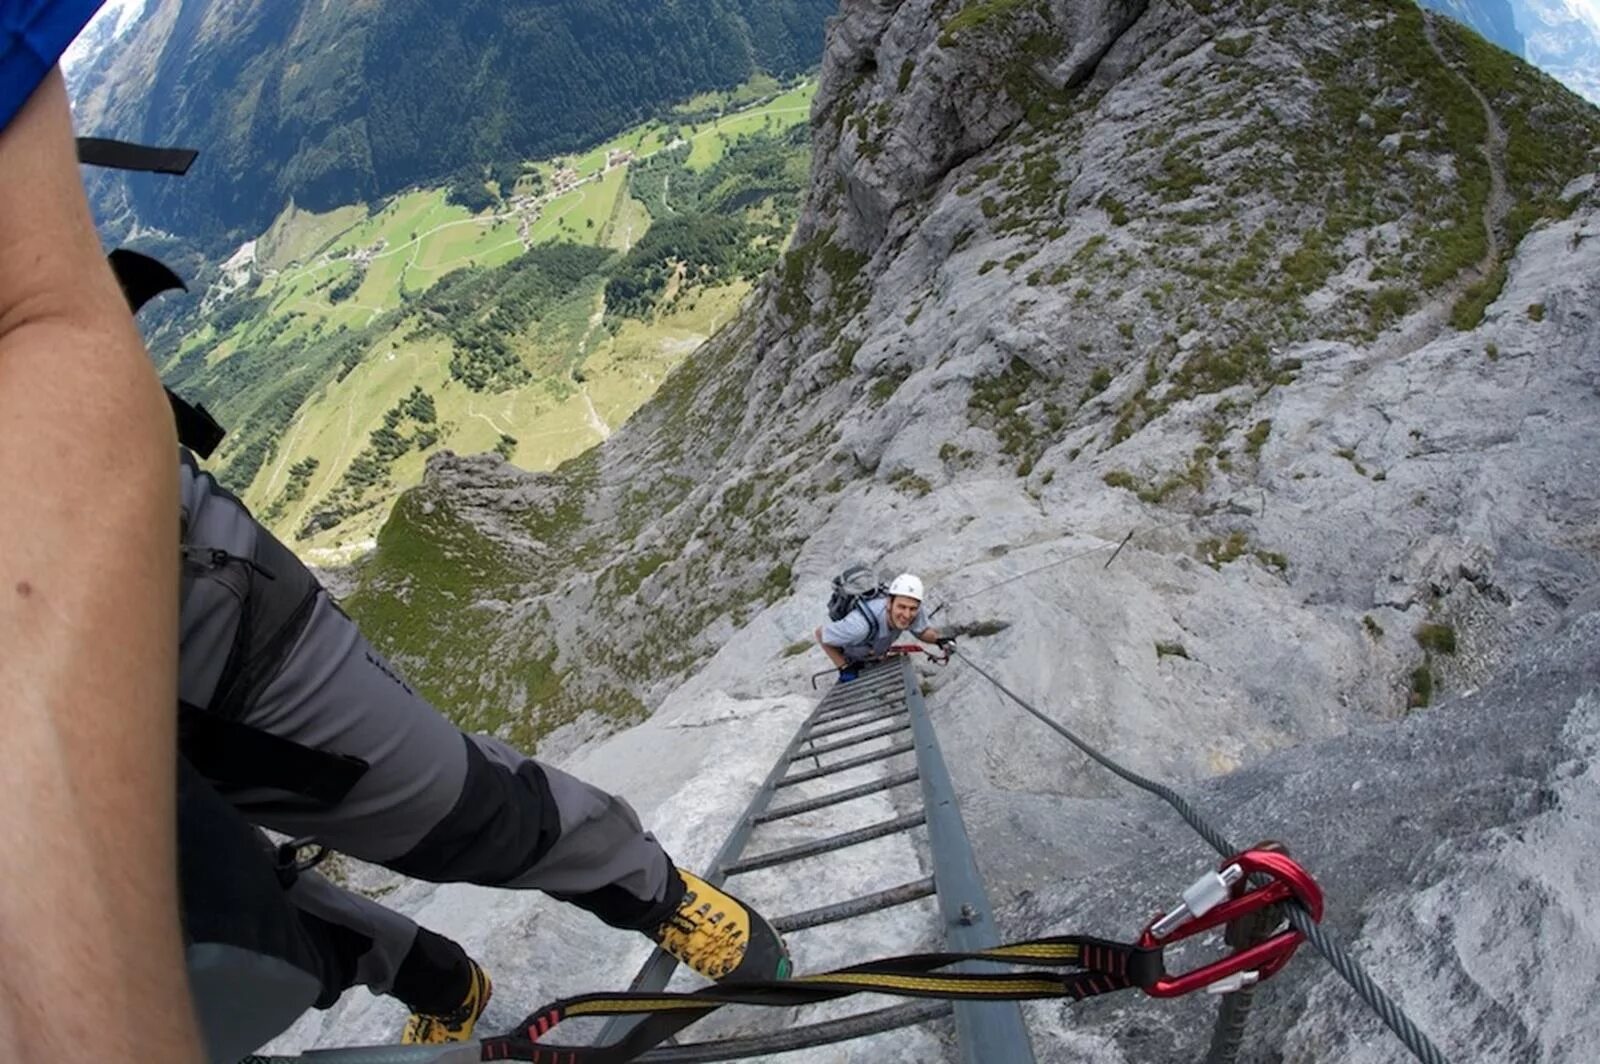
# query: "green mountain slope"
[[341, 349], [328, 104]]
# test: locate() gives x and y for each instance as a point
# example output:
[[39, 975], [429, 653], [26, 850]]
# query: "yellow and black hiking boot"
[[721, 937], [424, 1029]]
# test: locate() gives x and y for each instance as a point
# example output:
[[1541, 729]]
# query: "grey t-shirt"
[[853, 632]]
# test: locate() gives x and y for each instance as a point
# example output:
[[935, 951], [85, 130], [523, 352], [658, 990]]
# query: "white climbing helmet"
[[907, 585]]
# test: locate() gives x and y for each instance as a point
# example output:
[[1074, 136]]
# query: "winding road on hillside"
[[596, 422], [284, 450]]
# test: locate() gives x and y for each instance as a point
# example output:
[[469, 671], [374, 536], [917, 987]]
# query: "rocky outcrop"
[[906, 97]]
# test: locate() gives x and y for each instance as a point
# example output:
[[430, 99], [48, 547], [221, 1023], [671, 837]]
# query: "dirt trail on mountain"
[[1498, 205], [1428, 323]]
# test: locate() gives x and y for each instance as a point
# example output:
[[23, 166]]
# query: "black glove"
[[948, 645]]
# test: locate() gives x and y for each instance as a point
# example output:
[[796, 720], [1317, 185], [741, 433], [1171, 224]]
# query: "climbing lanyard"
[[1250, 882]]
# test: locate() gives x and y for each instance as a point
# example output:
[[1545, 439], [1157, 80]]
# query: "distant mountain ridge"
[[328, 104]]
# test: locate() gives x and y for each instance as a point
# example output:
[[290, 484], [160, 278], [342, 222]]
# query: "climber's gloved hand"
[[848, 673], [948, 645]]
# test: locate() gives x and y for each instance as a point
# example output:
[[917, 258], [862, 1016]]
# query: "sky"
[[1589, 9]]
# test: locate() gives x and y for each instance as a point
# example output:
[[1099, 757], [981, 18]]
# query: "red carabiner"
[[1288, 882]]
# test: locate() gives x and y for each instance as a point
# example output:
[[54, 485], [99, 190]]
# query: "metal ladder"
[[884, 707]]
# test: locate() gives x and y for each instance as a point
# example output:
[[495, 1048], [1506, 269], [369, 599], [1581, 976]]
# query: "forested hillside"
[[328, 104]]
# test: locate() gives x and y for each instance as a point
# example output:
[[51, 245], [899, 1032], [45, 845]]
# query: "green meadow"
[[336, 275]]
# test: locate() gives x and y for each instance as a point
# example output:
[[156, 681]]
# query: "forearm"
[[88, 620], [835, 655]]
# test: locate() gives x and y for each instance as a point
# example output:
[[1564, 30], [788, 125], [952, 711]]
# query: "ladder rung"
[[857, 708], [839, 796], [860, 691], [841, 766], [898, 711], [827, 845], [854, 740], [845, 910], [856, 717]]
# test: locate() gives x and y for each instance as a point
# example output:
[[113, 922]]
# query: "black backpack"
[[852, 589]]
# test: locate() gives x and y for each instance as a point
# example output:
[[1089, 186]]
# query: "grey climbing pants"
[[432, 802]]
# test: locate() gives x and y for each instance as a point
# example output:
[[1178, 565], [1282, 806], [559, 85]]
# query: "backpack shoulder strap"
[[872, 619]]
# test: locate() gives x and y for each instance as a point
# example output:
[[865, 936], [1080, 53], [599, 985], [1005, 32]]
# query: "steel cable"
[[1408, 1032]]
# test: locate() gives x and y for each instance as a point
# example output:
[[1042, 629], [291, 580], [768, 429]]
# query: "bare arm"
[[835, 655], [88, 623]]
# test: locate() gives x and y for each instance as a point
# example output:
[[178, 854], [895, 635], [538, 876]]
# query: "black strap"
[[197, 429], [125, 155], [872, 622], [142, 278], [232, 755], [1107, 967]]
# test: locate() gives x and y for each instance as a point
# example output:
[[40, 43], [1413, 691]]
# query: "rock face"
[[1454, 843], [1297, 304]]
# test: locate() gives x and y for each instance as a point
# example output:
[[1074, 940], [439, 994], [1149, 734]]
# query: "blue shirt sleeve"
[[33, 34]]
